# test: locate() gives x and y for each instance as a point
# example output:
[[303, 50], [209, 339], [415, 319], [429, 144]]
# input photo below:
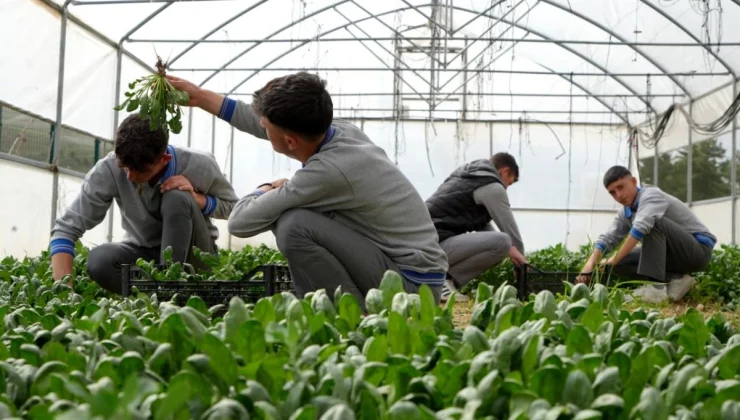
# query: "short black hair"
[[298, 102], [137, 145], [614, 174], [505, 160]]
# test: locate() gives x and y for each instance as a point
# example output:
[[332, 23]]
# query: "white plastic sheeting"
[[586, 67]]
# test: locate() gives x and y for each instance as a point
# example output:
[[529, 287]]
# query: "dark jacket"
[[453, 207]]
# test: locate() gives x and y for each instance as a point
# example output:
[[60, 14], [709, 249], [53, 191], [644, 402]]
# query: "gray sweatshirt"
[[651, 205], [494, 197], [352, 179], [140, 218]]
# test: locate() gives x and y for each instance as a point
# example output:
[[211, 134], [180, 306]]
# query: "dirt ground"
[[463, 311]]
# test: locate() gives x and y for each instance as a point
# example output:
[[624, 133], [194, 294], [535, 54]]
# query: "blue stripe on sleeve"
[[637, 234], [62, 245], [210, 205], [228, 106]]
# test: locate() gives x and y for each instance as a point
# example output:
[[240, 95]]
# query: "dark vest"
[[453, 207]]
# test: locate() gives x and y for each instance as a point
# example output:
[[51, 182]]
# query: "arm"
[[220, 198], [652, 207], [86, 211], [608, 240], [494, 198], [237, 113], [318, 184]]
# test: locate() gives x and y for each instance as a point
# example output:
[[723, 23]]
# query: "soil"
[[463, 311]]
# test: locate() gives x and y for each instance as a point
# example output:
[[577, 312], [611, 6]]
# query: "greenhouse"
[[567, 88]]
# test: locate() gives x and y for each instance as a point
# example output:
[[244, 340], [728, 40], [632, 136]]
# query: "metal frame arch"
[[572, 51], [622, 40], [286, 27], [400, 9], [318, 37], [217, 28], [691, 35]]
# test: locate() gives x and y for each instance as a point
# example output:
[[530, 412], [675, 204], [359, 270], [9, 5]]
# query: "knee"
[[291, 225], [176, 201], [98, 262], [101, 268], [502, 243]]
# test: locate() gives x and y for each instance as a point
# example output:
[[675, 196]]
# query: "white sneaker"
[[652, 293], [678, 288], [448, 288]]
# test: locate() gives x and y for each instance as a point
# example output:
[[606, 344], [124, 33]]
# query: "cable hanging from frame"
[[712, 128]]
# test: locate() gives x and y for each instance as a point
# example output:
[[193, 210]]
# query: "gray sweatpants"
[[325, 254], [470, 254], [667, 252], [184, 226]]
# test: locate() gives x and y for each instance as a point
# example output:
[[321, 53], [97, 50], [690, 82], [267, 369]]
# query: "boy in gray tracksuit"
[[462, 209], [674, 242], [349, 214], [167, 196]]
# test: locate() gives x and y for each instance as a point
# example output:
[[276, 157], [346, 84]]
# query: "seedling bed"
[[274, 279], [533, 280]]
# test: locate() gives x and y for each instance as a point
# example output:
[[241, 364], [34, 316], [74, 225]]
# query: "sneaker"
[[650, 293], [448, 288], [678, 288]]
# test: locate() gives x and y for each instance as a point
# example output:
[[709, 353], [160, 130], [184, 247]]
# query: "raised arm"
[[237, 113]]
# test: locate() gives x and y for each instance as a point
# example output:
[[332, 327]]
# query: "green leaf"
[[391, 284], [226, 409], [578, 390], [729, 362], [374, 301], [579, 341], [593, 318], [548, 383], [544, 304], [338, 412], [651, 405], [607, 381], [225, 365], [198, 304], [427, 306], [398, 334], [694, 334], [350, 310], [376, 348]]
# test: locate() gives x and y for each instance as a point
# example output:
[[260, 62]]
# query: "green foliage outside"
[[72, 354], [710, 171]]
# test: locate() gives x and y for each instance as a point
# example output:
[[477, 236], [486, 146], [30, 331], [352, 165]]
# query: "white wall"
[[24, 226]]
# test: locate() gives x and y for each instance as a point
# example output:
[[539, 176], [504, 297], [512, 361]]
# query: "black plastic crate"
[[275, 279], [533, 280]]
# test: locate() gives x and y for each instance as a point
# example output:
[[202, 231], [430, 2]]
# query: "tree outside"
[[710, 170]]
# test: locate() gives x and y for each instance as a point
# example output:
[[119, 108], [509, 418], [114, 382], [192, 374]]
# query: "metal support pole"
[[465, 80], [213, 135], [96, 151], [490, 139], [190, 125], [689, 162], [116, 116], [655, 165], [56, 145], [1, 127], [231, 167], [733, 169]]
